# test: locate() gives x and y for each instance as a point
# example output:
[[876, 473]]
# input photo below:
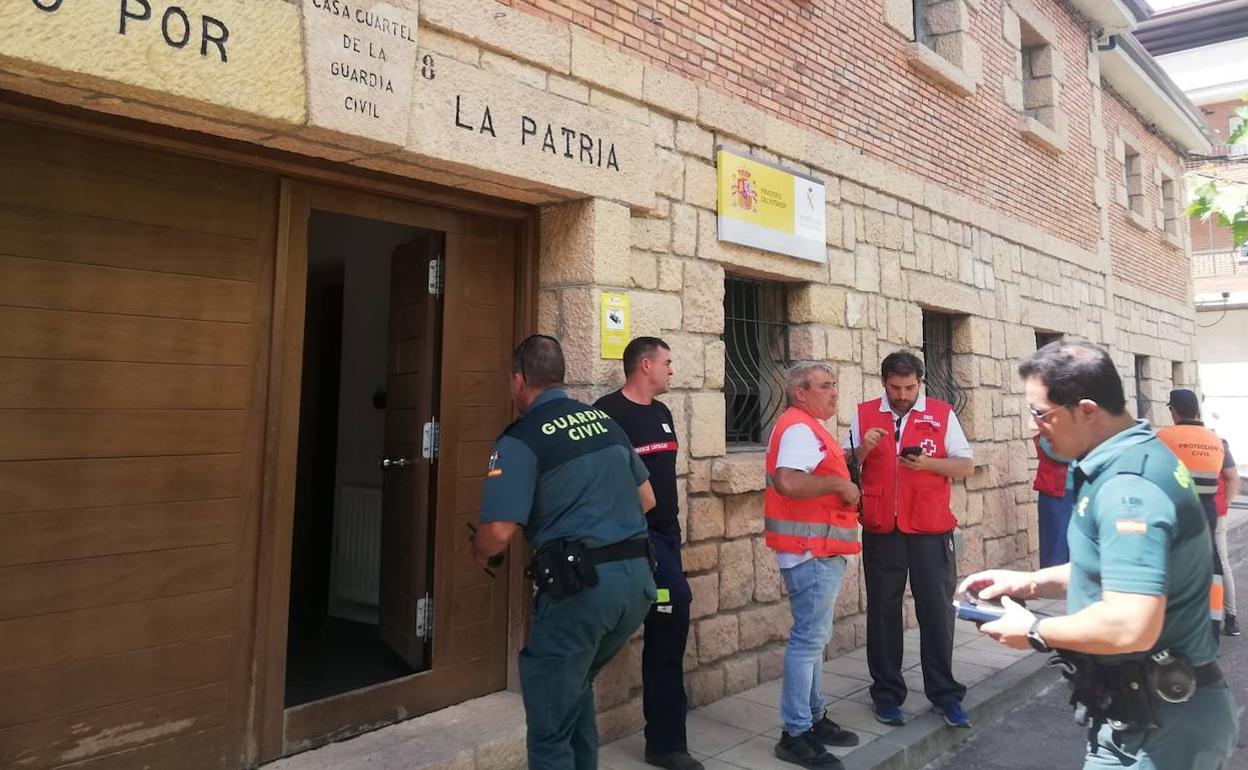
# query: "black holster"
[[562, 568], [1117, 692]]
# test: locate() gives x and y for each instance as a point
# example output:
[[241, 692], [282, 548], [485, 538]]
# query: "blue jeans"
[[1054, 520], [813, 586]]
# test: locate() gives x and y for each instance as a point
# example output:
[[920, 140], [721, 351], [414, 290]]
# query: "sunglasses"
[[1040, 416]]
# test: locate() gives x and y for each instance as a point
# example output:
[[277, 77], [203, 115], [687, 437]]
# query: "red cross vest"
[[894, 497], [825, 526], [1050, 474]]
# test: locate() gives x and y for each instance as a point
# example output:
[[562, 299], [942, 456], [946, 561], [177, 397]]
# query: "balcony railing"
[[1221, 264]]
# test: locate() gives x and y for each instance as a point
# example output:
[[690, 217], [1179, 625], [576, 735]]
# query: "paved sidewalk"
[[741, 731]]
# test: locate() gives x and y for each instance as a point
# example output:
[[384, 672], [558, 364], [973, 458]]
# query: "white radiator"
[[355, 573]]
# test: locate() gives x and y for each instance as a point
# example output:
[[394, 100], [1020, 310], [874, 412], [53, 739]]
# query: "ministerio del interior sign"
[[770, 207]]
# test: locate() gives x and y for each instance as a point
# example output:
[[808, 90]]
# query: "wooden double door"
[[151, 321]]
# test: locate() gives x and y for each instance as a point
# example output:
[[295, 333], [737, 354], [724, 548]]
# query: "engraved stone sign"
[[484, 121], [238, 58], [360, 59]]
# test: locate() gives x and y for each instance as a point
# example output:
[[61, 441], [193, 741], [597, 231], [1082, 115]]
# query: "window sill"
[[939, 70], [1040, 135], [1139, 220], [1172, 239]]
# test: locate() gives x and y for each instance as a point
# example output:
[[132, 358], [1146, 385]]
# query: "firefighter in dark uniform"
[[568, 475], [1138, 646], [649, 425]]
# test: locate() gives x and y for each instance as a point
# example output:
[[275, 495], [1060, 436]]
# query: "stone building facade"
[[990, 171]]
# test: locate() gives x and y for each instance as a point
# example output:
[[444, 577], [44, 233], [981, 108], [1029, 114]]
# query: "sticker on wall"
[[616, 325]]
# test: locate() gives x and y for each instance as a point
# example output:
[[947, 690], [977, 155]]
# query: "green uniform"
[[565, 471], [1139, 528]]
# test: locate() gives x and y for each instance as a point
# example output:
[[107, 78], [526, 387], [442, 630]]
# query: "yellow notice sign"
[[768, 207], [616, 325]]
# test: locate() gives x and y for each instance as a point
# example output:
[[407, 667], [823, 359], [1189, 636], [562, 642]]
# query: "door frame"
[[279, 731]]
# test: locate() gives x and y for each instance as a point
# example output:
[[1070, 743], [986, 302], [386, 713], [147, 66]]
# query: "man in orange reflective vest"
[[1201, 451], [811, 523], [910, 447]]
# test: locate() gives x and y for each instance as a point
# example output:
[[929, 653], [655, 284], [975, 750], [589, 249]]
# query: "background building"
[[1203, 47], [264, 261]]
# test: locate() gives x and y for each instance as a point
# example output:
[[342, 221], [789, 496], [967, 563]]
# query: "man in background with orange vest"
[[1201, 451], [811, 523], [910, 446]]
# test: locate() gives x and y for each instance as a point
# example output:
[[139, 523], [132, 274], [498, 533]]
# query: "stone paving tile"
[[742, 714], [706, 736]]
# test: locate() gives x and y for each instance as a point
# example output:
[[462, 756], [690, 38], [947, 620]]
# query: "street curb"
[[926, 737]]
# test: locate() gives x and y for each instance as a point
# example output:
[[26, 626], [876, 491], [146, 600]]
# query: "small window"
[[1040, 83], [1143, 390], [1044, 338], [1176, 375], [938, 359], [756, 353], [1132, 178]]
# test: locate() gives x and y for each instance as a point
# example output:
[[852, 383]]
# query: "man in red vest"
[[1056, 487], [811, 523], [910, 446]]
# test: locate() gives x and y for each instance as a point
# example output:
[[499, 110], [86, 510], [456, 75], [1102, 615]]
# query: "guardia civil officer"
[[649, 425], [1137, 585], [568, 475]]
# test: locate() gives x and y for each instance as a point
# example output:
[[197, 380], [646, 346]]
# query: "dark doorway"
[[361, 559]]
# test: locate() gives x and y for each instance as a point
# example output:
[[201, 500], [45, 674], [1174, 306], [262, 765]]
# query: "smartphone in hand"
[[910, 451], [977, 613]]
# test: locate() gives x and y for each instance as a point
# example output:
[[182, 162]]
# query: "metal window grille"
[[938, 360], [756, 352], [1143, 404]]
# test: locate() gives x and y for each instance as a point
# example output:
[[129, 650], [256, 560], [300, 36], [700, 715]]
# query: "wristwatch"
[[1036, 640]]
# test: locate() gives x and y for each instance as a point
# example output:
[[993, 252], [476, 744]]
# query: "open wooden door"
[[470, 633], [407, 489]]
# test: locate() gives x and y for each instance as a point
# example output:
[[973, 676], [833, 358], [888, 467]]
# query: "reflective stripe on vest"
[[1216, 599], [810, 529]]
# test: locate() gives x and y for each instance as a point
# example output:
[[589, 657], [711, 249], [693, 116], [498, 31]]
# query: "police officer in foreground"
[[568, 475], [649, 426], [1137, 641]]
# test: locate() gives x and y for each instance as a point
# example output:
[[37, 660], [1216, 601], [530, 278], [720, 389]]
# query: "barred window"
[[938, 359], [756, 352]]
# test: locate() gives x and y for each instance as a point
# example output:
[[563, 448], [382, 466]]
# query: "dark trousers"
[[928, 560], [571, 640], [667, 631]]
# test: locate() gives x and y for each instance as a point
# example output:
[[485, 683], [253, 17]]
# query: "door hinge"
[[436, 278], [424, 617], [430, 440]]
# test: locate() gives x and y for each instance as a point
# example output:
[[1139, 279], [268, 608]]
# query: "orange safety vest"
[[825, 526], [893, 496], [1200, 450]]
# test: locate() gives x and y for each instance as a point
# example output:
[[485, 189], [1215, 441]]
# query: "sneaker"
[[829, 733], [1230, 627], [807, 751], [887, 713], [676, 760], [953, 714]]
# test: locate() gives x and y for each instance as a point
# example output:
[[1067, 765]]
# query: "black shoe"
[[1230, 627], [676, 760], [829, 733], [807, 751]]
